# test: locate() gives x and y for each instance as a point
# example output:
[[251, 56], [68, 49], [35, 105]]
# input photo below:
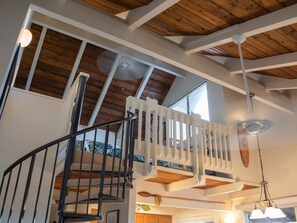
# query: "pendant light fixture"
[[254, 127]]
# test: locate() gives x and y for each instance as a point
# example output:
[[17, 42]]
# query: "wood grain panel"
[[114, 104], [27, 58], [115, 7], [284, 72], [55, 63], [198, 17], [158, 86], [164, 177], [150, 218], [96, 81]]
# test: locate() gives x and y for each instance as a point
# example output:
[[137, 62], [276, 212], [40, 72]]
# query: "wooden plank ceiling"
[[55, 63], [200, 17]]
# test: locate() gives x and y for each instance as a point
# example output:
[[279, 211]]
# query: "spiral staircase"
[[27, 186]]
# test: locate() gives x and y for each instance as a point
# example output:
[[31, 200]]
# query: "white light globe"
[[278, 213], [257, 214], [25, 37], [269, 212]]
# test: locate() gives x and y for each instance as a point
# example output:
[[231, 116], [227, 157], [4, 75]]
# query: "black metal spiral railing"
[[84, 173], [27, 185]]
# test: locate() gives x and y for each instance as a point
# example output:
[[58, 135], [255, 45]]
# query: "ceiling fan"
[[127, 70], [255, 127]]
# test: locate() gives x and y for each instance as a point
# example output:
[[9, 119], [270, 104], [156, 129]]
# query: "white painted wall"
[[278, 146], [29, 121], [13, 13], [236, 111]]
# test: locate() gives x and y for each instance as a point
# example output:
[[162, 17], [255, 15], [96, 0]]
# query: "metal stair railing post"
[[71, 144], [131, 152]]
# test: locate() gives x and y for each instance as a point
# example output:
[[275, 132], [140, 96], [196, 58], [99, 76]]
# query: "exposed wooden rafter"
[[139, 16], [92, 21], [265, 23], [104, 90], [284, 60]]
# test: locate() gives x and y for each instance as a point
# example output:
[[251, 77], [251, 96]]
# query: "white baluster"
[[214, 131], [168, 151], [188, 140], [225, 149], [181, 137], [221, 146], [175, 152]]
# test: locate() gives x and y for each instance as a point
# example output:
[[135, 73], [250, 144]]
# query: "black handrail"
[[55, 145], [54, 142]]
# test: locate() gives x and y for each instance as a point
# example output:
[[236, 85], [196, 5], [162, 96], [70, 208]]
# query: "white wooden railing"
[[172, 136]]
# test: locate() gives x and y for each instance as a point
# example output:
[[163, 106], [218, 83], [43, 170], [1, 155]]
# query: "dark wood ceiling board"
[[270, 5], [118, 6], [56, 59], [180, 20], [27, 58], [282, 39], [113, 106], [88, 64], [197, 17], [242, 9], [284, 72], [265, 45], [158, 86]]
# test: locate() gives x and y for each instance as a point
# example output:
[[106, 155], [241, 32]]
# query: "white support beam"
[[144, 81], [104, 90], [137, 17], [282, 84], [74, 68], [284, 60], [35, 59], [155, 47], [265, 23], [184, 184], [224, 189], [283, 202]]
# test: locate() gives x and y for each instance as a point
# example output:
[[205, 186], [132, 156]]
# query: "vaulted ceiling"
[[57, 60], [55, 57]]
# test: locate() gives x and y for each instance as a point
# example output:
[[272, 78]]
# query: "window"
[[194, 102]]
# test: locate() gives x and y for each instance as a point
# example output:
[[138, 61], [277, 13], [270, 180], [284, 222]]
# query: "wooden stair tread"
[[95, 182], [71, 217], [93, 199]]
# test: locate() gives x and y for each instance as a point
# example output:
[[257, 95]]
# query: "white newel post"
[[195, 122]]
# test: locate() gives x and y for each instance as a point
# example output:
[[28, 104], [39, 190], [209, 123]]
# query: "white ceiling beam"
[[78, 33], [282, 84], [35, 58], [224, 189], [104, 90], [284, 60], [74, 68], [137, 17], [140, 40], [144, 81], [184, 184], [265, 23]]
